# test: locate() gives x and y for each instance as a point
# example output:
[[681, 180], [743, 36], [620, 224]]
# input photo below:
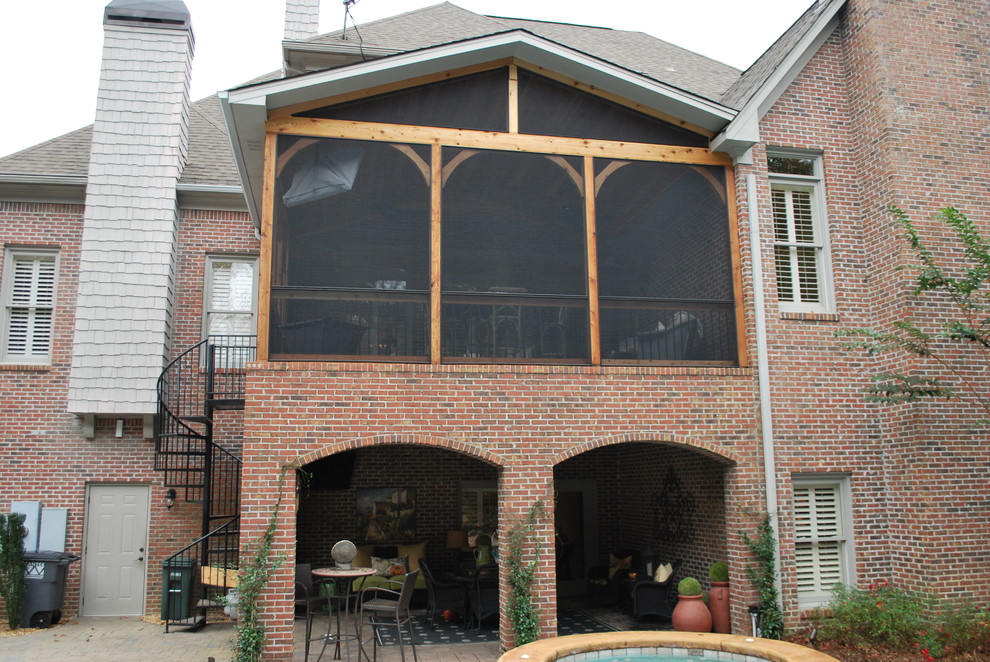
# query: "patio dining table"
[[342, 579]]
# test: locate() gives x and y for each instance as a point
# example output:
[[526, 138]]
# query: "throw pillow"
[[383, 567], [362, 559], [415, 552], [615, 564], [663, 573]]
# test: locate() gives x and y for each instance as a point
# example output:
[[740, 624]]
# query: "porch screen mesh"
[[514, 276], [549, 108], [479, 101], [350, 263], [664, 262]]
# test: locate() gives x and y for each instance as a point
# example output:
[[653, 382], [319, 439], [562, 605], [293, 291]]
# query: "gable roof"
[[763, 83], [636, 51], [211, 163]]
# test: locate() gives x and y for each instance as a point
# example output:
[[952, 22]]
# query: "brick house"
[[348, 267]]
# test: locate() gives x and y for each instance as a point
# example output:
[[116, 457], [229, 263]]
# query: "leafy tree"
[[967, 287]]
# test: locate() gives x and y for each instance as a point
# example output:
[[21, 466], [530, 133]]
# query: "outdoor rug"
[[569, 621]]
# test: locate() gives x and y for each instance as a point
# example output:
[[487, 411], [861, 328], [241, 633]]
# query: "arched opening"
[[408, 504], [625, 510]]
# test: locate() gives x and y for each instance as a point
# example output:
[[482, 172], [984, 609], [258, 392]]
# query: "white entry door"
[[114, 566]]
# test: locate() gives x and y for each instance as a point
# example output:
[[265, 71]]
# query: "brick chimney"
[[124, 306]]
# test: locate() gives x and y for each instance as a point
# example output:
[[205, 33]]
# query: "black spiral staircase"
[[205, 379]]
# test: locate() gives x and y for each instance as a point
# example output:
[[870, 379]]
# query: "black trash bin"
[[177, 588], [45, 580]]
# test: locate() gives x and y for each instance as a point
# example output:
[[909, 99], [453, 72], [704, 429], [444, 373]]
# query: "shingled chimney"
[[302, 19], [123, 314]]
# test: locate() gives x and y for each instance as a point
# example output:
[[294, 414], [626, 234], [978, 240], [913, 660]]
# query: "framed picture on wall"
[[386, 513]]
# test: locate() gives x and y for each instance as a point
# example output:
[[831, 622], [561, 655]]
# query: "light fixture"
[[170, 498]]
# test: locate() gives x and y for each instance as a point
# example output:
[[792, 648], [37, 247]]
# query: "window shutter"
[[231, 298], [796, 253], [29, 325], [818, 538]]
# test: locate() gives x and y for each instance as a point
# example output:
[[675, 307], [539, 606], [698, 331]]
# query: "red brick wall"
[[43, 454], [524, 420]]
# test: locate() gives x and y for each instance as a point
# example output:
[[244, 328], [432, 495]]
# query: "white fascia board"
[[245, 109], [246, 129], [205, 196], [519, 44], [744, 131]]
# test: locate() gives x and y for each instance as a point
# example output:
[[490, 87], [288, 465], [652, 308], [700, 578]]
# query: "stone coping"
[[549, 650]]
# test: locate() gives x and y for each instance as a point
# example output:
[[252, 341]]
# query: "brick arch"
[[706, 448], [456, 445]]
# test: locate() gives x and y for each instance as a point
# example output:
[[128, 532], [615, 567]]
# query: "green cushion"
[[394, 582]]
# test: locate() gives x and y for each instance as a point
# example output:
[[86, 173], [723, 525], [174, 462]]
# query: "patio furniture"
[[342, 578], [483, 596], [308, 598], [383, 604], [650, 598], [443, 595]]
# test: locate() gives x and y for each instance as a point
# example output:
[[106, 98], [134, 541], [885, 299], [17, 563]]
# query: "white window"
[[29, 305], [231, 296], [800, 241], [823, 550], [479, 505]]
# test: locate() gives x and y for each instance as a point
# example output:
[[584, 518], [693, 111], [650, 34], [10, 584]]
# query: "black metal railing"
[[198, 575], [205, 378]]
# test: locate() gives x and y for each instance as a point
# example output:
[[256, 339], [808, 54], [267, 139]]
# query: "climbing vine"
[[252, 580], [764, 576], [520, 569]]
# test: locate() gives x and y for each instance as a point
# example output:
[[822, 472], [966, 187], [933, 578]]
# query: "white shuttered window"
[[820, 538], [231, 296], [799, 239], [29, 306]]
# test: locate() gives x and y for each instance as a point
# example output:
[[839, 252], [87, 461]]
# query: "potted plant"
[[718, 598], [691, 614]]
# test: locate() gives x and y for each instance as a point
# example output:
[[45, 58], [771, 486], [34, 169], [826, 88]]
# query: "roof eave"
[[739, 136], [246, 109]]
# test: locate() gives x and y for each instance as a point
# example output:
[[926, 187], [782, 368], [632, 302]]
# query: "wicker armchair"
[[650, 598]]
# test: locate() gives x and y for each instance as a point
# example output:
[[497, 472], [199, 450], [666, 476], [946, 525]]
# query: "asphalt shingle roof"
[[209, 157]]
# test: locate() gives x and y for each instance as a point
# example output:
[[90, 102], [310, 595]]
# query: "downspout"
[[763, 368]]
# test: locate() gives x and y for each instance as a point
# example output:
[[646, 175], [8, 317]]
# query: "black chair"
[[650, 598], [483, 596], [384, 604], [308, 598], [442, 595]]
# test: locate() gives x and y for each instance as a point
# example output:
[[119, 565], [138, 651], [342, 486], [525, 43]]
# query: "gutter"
[[763, 371]]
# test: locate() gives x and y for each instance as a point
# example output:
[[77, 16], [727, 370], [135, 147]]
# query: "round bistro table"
[[342, 578]]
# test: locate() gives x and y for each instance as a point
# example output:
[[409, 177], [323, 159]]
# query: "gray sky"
[[50, 51]]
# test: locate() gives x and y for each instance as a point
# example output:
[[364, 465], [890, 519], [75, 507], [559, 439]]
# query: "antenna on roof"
[[347, 13]]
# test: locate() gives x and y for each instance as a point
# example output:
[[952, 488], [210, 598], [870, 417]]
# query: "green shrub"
[[719, 572], [12, 566], [886, 617], [689, 586], [965, 627], [882, 615]]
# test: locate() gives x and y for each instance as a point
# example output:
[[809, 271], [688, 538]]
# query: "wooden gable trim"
[[517, 142]]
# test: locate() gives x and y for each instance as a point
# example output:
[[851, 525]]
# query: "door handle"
[[140, 558]]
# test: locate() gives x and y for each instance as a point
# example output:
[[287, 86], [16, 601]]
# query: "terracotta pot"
[[718, 605], [691, 614]]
